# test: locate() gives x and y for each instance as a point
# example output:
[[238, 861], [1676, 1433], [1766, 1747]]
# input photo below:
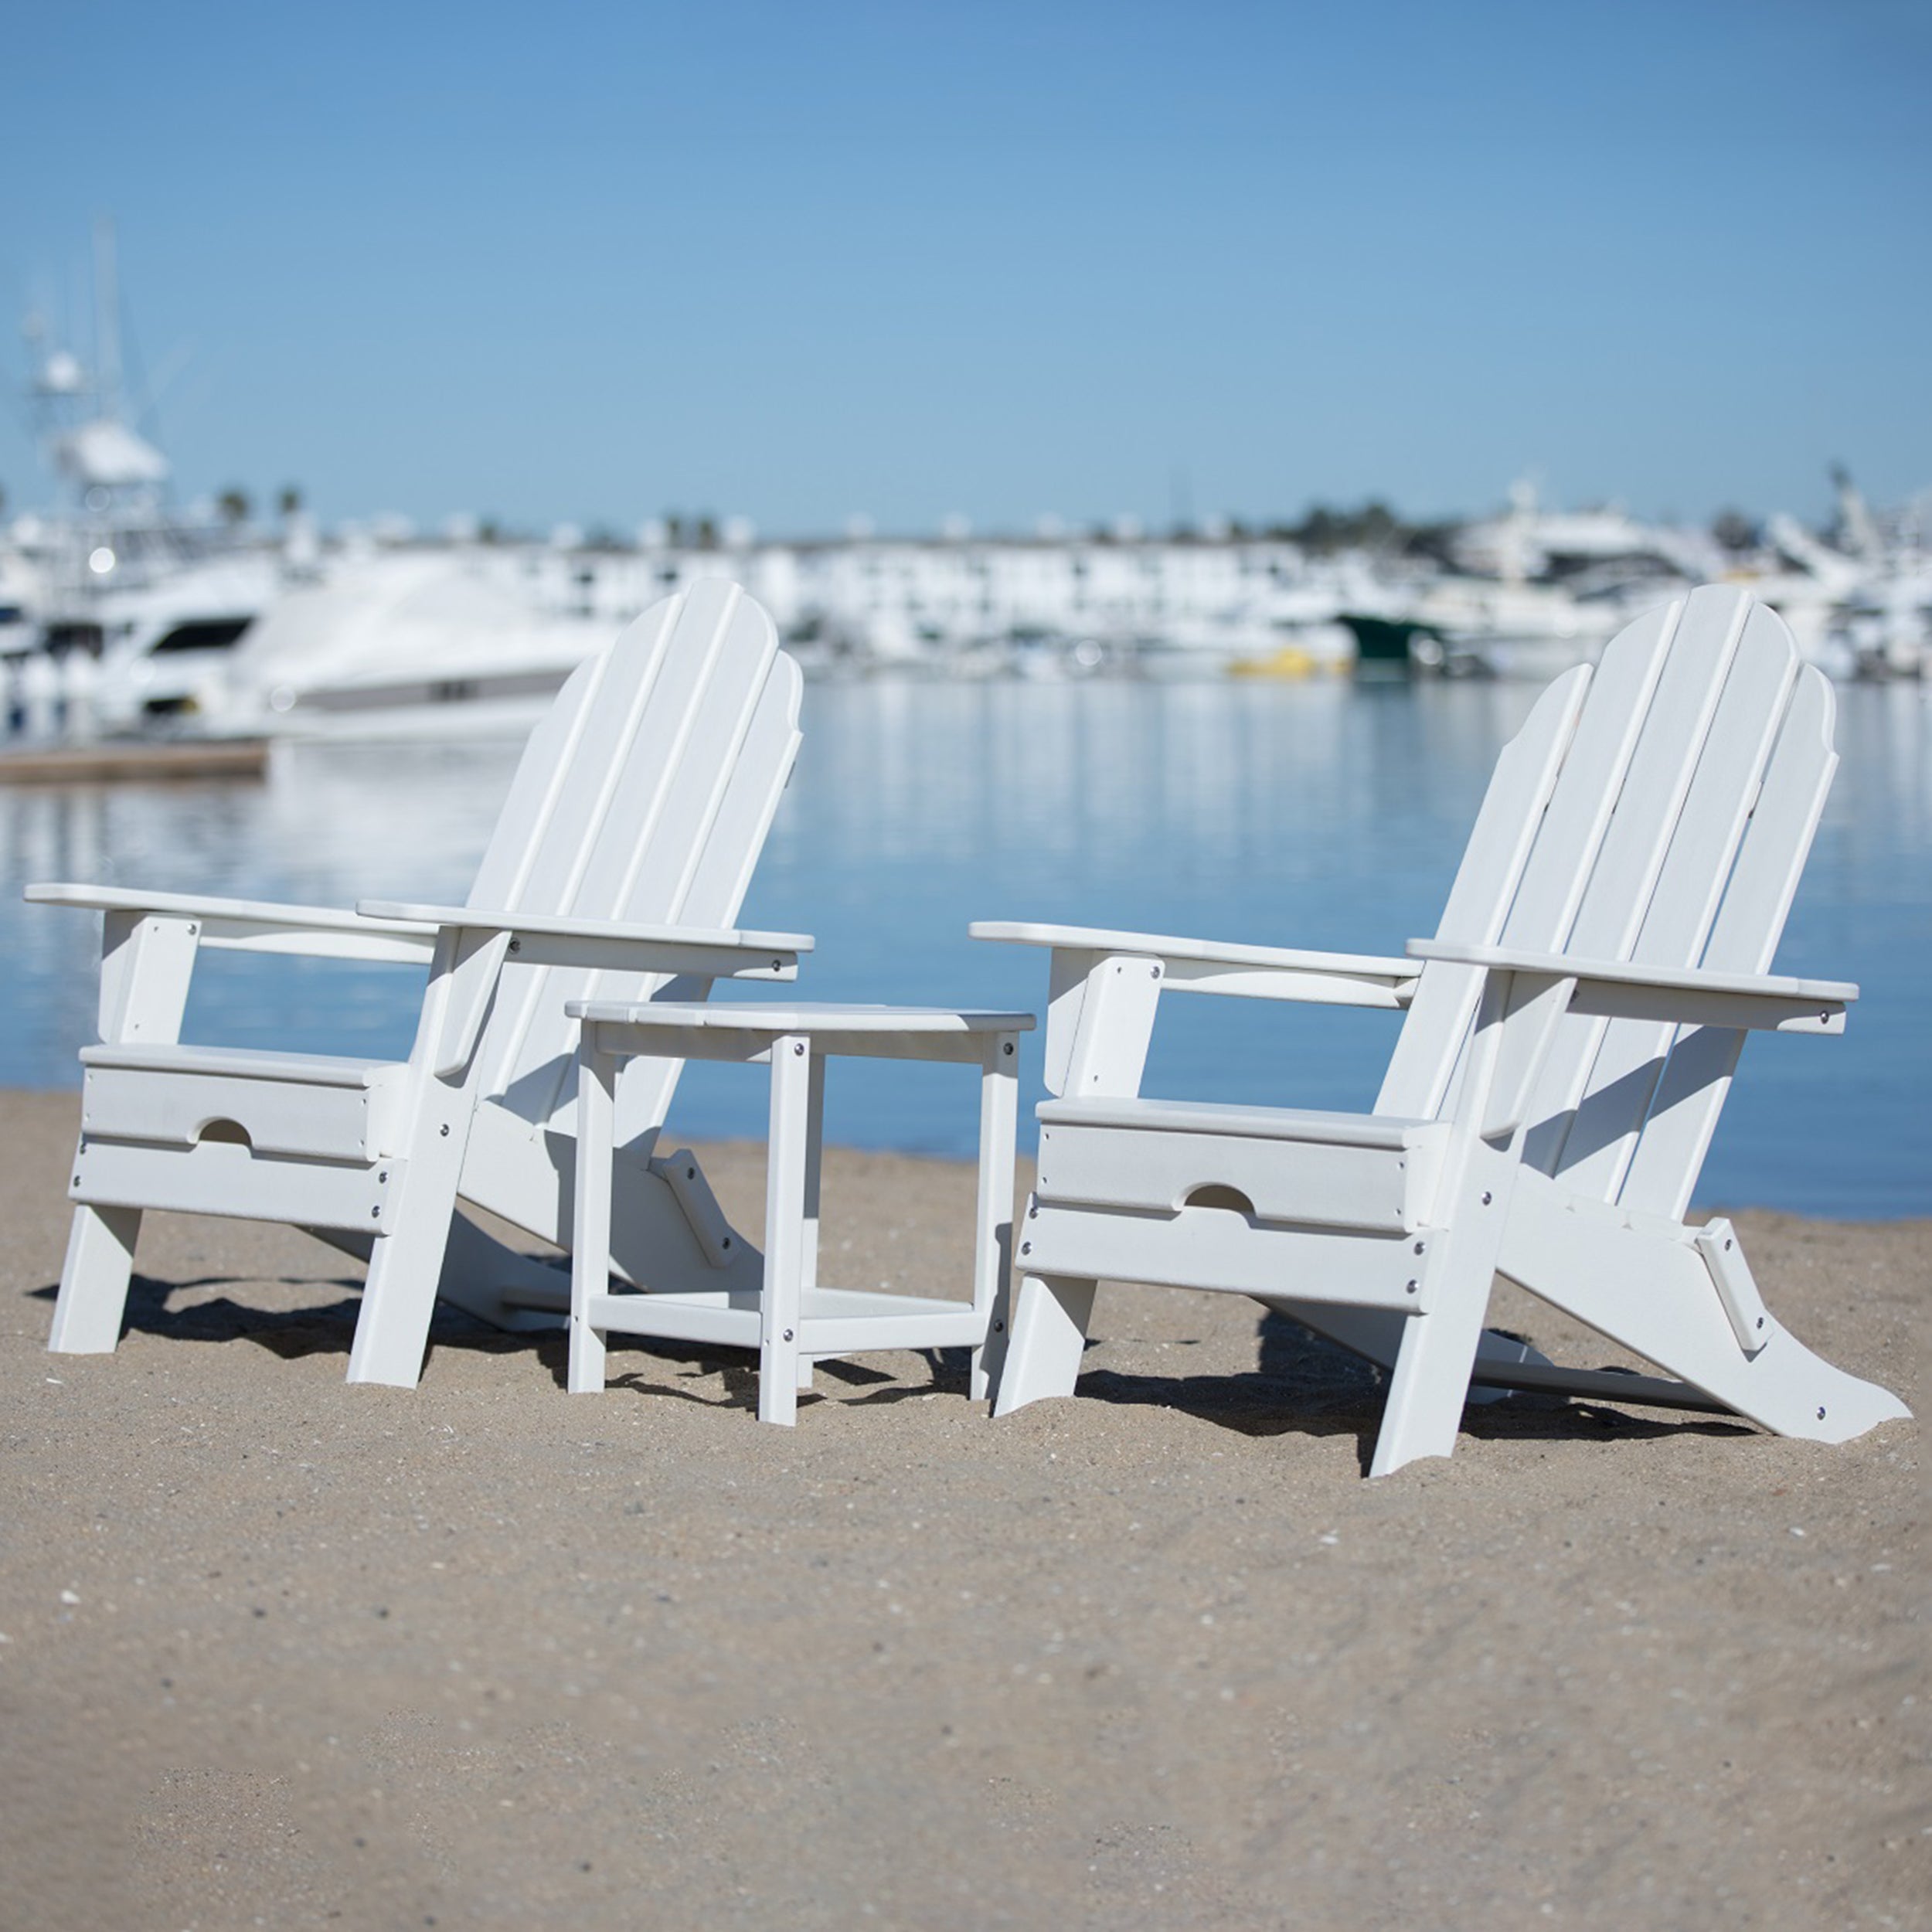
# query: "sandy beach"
[[279, 1651]]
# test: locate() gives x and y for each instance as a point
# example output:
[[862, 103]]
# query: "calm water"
[[1314, 815]]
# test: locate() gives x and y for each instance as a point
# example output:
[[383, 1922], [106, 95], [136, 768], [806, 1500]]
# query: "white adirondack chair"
[[620, 859], [1569, 1038]]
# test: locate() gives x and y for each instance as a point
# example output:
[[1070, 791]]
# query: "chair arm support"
[[1211, 966], [541, 939], [1104, 988], [254, 925], [1687, 995]]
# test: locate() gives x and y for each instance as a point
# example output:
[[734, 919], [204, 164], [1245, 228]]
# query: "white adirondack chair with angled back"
[[1569, 1038], [618, 863]]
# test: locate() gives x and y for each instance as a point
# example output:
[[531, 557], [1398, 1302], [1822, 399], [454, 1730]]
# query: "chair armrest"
[[1104, 988], [1690, 995], [1211, 966], [255, 925], [542, 939]]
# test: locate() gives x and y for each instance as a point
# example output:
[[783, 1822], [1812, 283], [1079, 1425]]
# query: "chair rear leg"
[[1045, 1342], [1656, 1296], [1376, 1336], [93, 1302]]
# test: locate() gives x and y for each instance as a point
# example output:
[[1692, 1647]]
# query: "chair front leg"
[[1430, 1384], [591, 1221], [399, 1297]]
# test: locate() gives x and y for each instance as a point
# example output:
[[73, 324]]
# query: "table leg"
[[814, 1161], [993, 1229], [590, 1222], [787, 1160]]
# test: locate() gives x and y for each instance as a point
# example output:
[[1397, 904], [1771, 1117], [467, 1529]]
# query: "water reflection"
[[1310, 814]]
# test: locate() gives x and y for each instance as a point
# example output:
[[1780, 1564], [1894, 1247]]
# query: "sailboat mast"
[[106, 321]]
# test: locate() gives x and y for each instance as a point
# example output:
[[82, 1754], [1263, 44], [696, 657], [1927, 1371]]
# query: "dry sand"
[[278, 1651]]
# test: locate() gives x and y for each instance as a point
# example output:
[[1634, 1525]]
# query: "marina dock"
[[116, 759]]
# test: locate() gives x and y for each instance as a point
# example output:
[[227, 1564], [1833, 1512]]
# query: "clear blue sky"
[[594, 262]]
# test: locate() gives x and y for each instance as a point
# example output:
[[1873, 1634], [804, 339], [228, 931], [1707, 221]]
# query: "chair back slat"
[[644, 796], [1553, 836], [1667, 825], [1421, 1071], [1597, 1090], [1664, 1167], [712, 893]]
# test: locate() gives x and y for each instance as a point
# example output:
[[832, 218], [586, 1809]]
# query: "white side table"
[[792, 1320]]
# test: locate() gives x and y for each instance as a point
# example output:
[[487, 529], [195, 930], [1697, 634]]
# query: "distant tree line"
[[1326, 528]]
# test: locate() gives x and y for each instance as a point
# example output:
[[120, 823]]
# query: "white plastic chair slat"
[[1579, 817], [1536, 902], [695, 860], [544, 777], [1417, 1081], [1669, 1156], [663, 797], [1612, 1086], [621, 847], [1610, 824], [714, 896]]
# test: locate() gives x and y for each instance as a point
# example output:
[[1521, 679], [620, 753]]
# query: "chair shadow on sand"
[[321, 1328], [1302, 1384], [328, 1328]]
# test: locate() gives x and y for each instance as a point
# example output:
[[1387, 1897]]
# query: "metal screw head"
[[778, 965], [1026, 1247], [1008, 1048], [1154, 972], [444, 1129], [1411, 1288], [691, 1174], [1820, 1415], [383, 1175], [516, 945], [1487, 1197], [1418, 1247], [788, 1334], [798, 1046], [376, 1214], [725, 1243], [999, 1327]]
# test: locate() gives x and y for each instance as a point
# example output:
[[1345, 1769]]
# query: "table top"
[[748, 1017]]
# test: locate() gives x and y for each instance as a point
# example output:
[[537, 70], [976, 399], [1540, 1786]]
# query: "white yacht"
[[411, 643]]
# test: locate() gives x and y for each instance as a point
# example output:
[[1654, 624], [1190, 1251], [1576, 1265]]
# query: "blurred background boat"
[[121, 614]]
